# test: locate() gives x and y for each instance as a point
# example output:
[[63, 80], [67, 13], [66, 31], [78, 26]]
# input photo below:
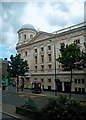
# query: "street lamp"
[[71, 75], [55, 67]]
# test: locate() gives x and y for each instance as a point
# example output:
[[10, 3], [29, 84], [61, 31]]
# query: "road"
[[13, 98], [18, 99]]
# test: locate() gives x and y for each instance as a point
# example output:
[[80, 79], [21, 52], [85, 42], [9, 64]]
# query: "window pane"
[[75, 80], [78, 80], [83, 90], [24, 36], [82, 81], [75, 89]]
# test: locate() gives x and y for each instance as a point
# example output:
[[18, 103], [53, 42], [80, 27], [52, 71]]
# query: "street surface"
[[18, 99]]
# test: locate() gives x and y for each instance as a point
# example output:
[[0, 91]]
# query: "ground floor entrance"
[[67, 87], [59, 87]]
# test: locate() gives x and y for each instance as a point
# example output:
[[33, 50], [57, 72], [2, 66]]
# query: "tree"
[[17, 67], [64, 108], [71, 55], [83, 59]]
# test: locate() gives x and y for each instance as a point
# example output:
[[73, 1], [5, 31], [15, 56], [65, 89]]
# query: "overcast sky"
[[46, 16]]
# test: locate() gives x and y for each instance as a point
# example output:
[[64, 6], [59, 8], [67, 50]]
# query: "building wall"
[[3, 69], [38, 48]]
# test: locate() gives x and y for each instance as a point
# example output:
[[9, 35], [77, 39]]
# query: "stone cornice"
[[54, 36]]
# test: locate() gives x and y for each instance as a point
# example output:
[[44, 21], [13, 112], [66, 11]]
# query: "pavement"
[[11, 111], [0, 111]]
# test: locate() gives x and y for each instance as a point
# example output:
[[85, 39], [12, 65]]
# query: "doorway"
[[59, 87], [67, 87]]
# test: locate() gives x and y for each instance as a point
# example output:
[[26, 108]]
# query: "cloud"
[[45, 16], [11, 21], [67, 16], [55, 14], [52, 14]]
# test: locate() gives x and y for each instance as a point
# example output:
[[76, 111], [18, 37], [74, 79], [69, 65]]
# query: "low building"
[[41, 49], [3, 69]]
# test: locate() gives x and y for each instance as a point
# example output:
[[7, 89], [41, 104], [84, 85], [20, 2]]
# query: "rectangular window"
[[35, 68], [42, 80], [42, 58], [49, 87], [79, 89], [75, 89], [59, 66], [35, 59], [77, 41], [83, 90], [25, 53], [42, 67], [50, 67], [75, 80], [49, 47], [49, 80], [82, 81], [35, 50], [78, 80], [42, 49], [24, 36], [49, 57], [62, 45]]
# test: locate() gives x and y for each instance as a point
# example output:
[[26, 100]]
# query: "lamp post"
[[71, 76], [55, 68]]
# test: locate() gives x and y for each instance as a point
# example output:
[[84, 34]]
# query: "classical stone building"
[[40, 49]]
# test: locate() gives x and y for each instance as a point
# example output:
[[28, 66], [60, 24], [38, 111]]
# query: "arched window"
[[31, 36]]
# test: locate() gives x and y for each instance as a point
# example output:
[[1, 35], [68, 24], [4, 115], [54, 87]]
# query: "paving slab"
[[11, 111]]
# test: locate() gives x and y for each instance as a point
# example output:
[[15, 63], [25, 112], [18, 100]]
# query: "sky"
[[44, 15]]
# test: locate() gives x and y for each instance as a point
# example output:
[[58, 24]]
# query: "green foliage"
[[30, 105], [64, 108], [70, 55], [17, 66], [83, 59]]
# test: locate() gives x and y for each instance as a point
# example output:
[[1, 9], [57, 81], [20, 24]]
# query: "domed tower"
[[26, 33]]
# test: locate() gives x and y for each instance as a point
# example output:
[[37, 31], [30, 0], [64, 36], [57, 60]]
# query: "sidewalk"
[[10, 110], [26, 92], [0, 111]]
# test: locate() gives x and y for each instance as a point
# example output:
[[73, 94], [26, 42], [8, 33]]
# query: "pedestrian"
[[6, 83], [14, 83]]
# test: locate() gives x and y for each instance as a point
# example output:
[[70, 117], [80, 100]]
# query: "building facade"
[[3, 69], [41, 49]]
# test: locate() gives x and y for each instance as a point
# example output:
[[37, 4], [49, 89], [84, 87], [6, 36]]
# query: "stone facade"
[[40, 48]]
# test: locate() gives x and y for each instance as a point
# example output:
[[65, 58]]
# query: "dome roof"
[[27, 26]]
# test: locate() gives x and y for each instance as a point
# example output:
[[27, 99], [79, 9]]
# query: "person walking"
[[6, 83]]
